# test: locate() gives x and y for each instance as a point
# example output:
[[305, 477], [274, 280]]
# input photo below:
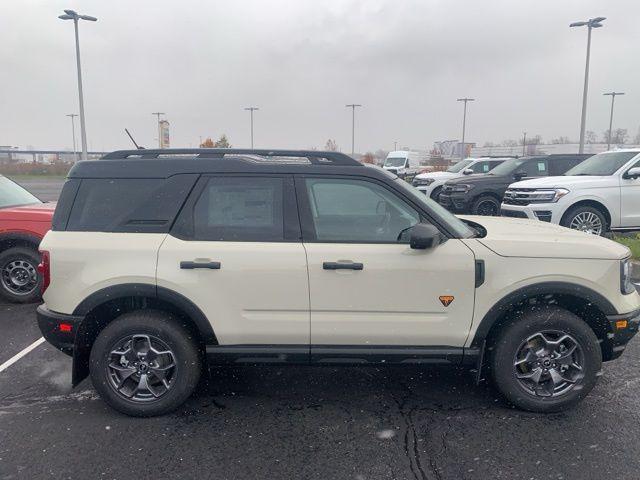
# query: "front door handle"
[[192, 265], [342, 266]]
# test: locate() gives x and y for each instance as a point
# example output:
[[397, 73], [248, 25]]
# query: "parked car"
[[24, 219], [405, 163], [600, 194], [431, 183], [482, 194], [155, 263]]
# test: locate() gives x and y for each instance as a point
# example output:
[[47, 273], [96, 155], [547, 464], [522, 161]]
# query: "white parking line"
[[21, 354]]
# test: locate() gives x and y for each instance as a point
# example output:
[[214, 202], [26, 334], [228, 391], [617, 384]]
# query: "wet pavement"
[[308, 422]]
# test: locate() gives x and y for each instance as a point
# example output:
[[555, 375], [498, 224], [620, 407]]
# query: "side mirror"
[[424, 236], [467, 171], [519, 175], [633, 173]]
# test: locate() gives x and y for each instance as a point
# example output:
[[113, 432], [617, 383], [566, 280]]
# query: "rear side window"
[[128, 204], [560, 165], [240, 209]]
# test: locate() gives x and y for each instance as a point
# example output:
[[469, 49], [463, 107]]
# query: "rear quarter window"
[[136, 205]]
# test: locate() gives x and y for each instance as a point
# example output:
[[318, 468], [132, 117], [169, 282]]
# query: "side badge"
[[446, 299]]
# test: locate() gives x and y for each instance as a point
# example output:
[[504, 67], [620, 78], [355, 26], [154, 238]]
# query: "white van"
[[405, 163]]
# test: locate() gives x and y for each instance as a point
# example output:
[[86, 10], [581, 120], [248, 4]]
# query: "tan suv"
[[161, 259]]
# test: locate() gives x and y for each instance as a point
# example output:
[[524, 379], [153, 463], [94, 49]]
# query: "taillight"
[[44, 268]]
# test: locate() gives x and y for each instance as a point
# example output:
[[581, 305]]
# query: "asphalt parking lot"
[[308, 422]]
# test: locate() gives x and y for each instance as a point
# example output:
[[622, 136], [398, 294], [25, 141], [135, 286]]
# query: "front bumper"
[[58, 329], [546, 212], [623, 328], [456, 203]]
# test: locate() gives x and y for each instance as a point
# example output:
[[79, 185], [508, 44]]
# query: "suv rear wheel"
[[586, 219], [144, 364], [19, 278], [546, 360]]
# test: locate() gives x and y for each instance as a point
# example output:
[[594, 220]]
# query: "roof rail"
[[314, 156]]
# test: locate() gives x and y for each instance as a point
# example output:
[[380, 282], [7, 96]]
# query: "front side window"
[[345, 210], [481, 167], [240, 209]]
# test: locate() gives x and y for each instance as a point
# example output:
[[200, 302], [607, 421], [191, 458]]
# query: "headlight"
[[626, 286], [547, 195], [462, 187], [423, 181]]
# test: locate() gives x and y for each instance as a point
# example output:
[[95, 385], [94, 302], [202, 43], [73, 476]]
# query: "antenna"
[[134, 142]]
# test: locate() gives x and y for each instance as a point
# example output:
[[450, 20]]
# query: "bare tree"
[[509, 143], [561, 140], [331, 146], [618, 137], [222, 142], [590, 137], [636, 140]]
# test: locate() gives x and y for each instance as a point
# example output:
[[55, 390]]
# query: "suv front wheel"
[[144, 363], [546, 359], [586, 219]]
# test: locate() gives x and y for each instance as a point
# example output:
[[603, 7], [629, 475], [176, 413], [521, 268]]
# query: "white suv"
[[600, 194], [431, 183], [161, 259]]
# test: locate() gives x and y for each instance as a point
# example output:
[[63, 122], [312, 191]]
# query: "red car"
[[24, 219]]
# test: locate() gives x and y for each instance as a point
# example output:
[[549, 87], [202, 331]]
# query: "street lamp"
[[251, 110], [73, 134], [157, 114], [591, 24], [353, 107], [72, 15], [524, 143], [613, 98], [464, 123]]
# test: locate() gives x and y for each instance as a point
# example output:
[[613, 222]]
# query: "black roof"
[[167, 162]]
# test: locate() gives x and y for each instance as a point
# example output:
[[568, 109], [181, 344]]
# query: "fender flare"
[[147, 290], [544, 288], [22, 236]]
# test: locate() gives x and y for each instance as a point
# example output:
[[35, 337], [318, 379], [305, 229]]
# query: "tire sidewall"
[[20, 253], [436, 193], [569, 216], [486, 198], [164, 327], [519, 330]]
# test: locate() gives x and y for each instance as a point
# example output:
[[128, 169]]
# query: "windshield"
[[395, 162], [602, 164], [12, 194], [452, 222], [458, 167], [508, 167]]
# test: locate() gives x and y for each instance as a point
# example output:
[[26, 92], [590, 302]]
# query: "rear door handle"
[[192, 265], [342, 266]]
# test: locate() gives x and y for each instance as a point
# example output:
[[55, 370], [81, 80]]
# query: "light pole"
[[72, 15], [353, 107], [591, 23], [73, 134], [157, 114], [524, 143], [251, 110], [613, 99], [395, 146], [464, 123]]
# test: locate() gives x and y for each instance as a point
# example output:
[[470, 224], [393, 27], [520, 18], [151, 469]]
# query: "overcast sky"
[[301, 61]]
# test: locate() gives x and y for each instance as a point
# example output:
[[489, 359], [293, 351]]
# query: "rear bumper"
[[623, 328], [58, 329]]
